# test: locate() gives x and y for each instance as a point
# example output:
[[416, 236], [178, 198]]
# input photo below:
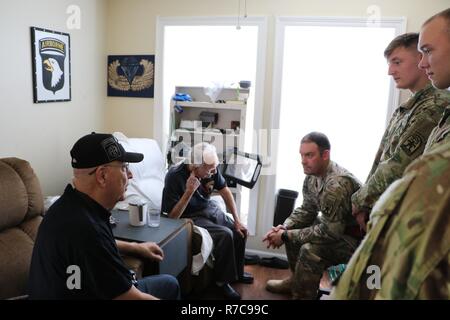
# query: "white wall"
[[131, 26], [131, 30], [44, 133]]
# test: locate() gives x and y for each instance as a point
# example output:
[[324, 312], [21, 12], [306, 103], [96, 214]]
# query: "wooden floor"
[[254, 291]]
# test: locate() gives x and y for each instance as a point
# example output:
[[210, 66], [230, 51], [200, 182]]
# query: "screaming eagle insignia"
[[53, 54]]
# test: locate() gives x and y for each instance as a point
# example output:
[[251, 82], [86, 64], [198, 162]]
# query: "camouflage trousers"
[[309, 260]]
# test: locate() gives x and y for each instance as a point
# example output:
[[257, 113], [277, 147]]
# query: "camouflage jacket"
[[331, 195], [440, 133], [408, 237], [403, 141]]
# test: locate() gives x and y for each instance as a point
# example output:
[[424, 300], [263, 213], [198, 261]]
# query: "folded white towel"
[[204, 256]]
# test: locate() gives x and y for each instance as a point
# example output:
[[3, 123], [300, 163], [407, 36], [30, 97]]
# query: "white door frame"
[[161, 118]]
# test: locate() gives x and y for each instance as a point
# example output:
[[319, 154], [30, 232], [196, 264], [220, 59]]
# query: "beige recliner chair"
[[21, 210]]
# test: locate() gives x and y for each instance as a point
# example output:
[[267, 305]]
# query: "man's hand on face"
[[192, 183]]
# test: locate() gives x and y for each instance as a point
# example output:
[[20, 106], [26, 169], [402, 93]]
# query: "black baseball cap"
[[96, 149]]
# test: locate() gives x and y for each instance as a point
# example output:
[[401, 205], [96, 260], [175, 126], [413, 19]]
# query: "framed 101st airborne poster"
[[51, 65]]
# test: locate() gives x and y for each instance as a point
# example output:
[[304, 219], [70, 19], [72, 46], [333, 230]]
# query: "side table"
[[171, 235]]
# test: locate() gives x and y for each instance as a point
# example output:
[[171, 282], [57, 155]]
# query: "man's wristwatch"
[[284, 236]]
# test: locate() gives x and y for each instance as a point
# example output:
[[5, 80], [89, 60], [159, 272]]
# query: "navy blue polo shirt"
[[76, 232], [175, 186]]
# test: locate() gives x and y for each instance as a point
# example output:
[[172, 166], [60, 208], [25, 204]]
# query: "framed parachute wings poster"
[[51, 65], [131, 76]]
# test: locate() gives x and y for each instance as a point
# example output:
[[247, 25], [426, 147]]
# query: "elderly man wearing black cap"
[[75, 255]]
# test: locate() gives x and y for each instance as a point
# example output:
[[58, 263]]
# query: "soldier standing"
[[434, 43], [409, 230], [409, 128], [314, 242]]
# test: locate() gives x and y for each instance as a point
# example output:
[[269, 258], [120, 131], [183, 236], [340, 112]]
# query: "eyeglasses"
[[124, 167], [209, 170]]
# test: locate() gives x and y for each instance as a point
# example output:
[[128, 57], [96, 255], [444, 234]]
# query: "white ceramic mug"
[[138, 214]]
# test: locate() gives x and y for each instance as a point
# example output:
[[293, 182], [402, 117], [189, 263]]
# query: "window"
[[332, 77]]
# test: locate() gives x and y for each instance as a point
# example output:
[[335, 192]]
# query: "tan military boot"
[[280, 286], [307, 286]]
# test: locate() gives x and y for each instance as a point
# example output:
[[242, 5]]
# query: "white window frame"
[[398, 23], [161, 119]]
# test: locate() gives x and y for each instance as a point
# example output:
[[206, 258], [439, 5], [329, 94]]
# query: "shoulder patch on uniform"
[[329, 205], [412, 143]]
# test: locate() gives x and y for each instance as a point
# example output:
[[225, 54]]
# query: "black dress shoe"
[[246, 278], [250, 259], [229, 293], [274, 262]]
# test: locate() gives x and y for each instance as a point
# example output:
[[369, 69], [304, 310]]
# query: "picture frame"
[[50, 53], [131, 76]]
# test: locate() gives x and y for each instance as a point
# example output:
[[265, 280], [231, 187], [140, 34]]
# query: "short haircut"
[[202, 153], [318, 138], [407, 41], [443, 14]]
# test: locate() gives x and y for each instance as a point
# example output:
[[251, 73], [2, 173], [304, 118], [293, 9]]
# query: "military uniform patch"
[[111, 148], [412, 143], [329, 204]]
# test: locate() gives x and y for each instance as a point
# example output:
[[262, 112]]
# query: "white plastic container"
[[138, 213]]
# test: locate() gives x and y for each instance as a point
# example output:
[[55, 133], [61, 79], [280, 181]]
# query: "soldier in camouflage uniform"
[[408, 238], [409, 230], [314, 242], [441, 132], [406, 135], [434, 43]]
